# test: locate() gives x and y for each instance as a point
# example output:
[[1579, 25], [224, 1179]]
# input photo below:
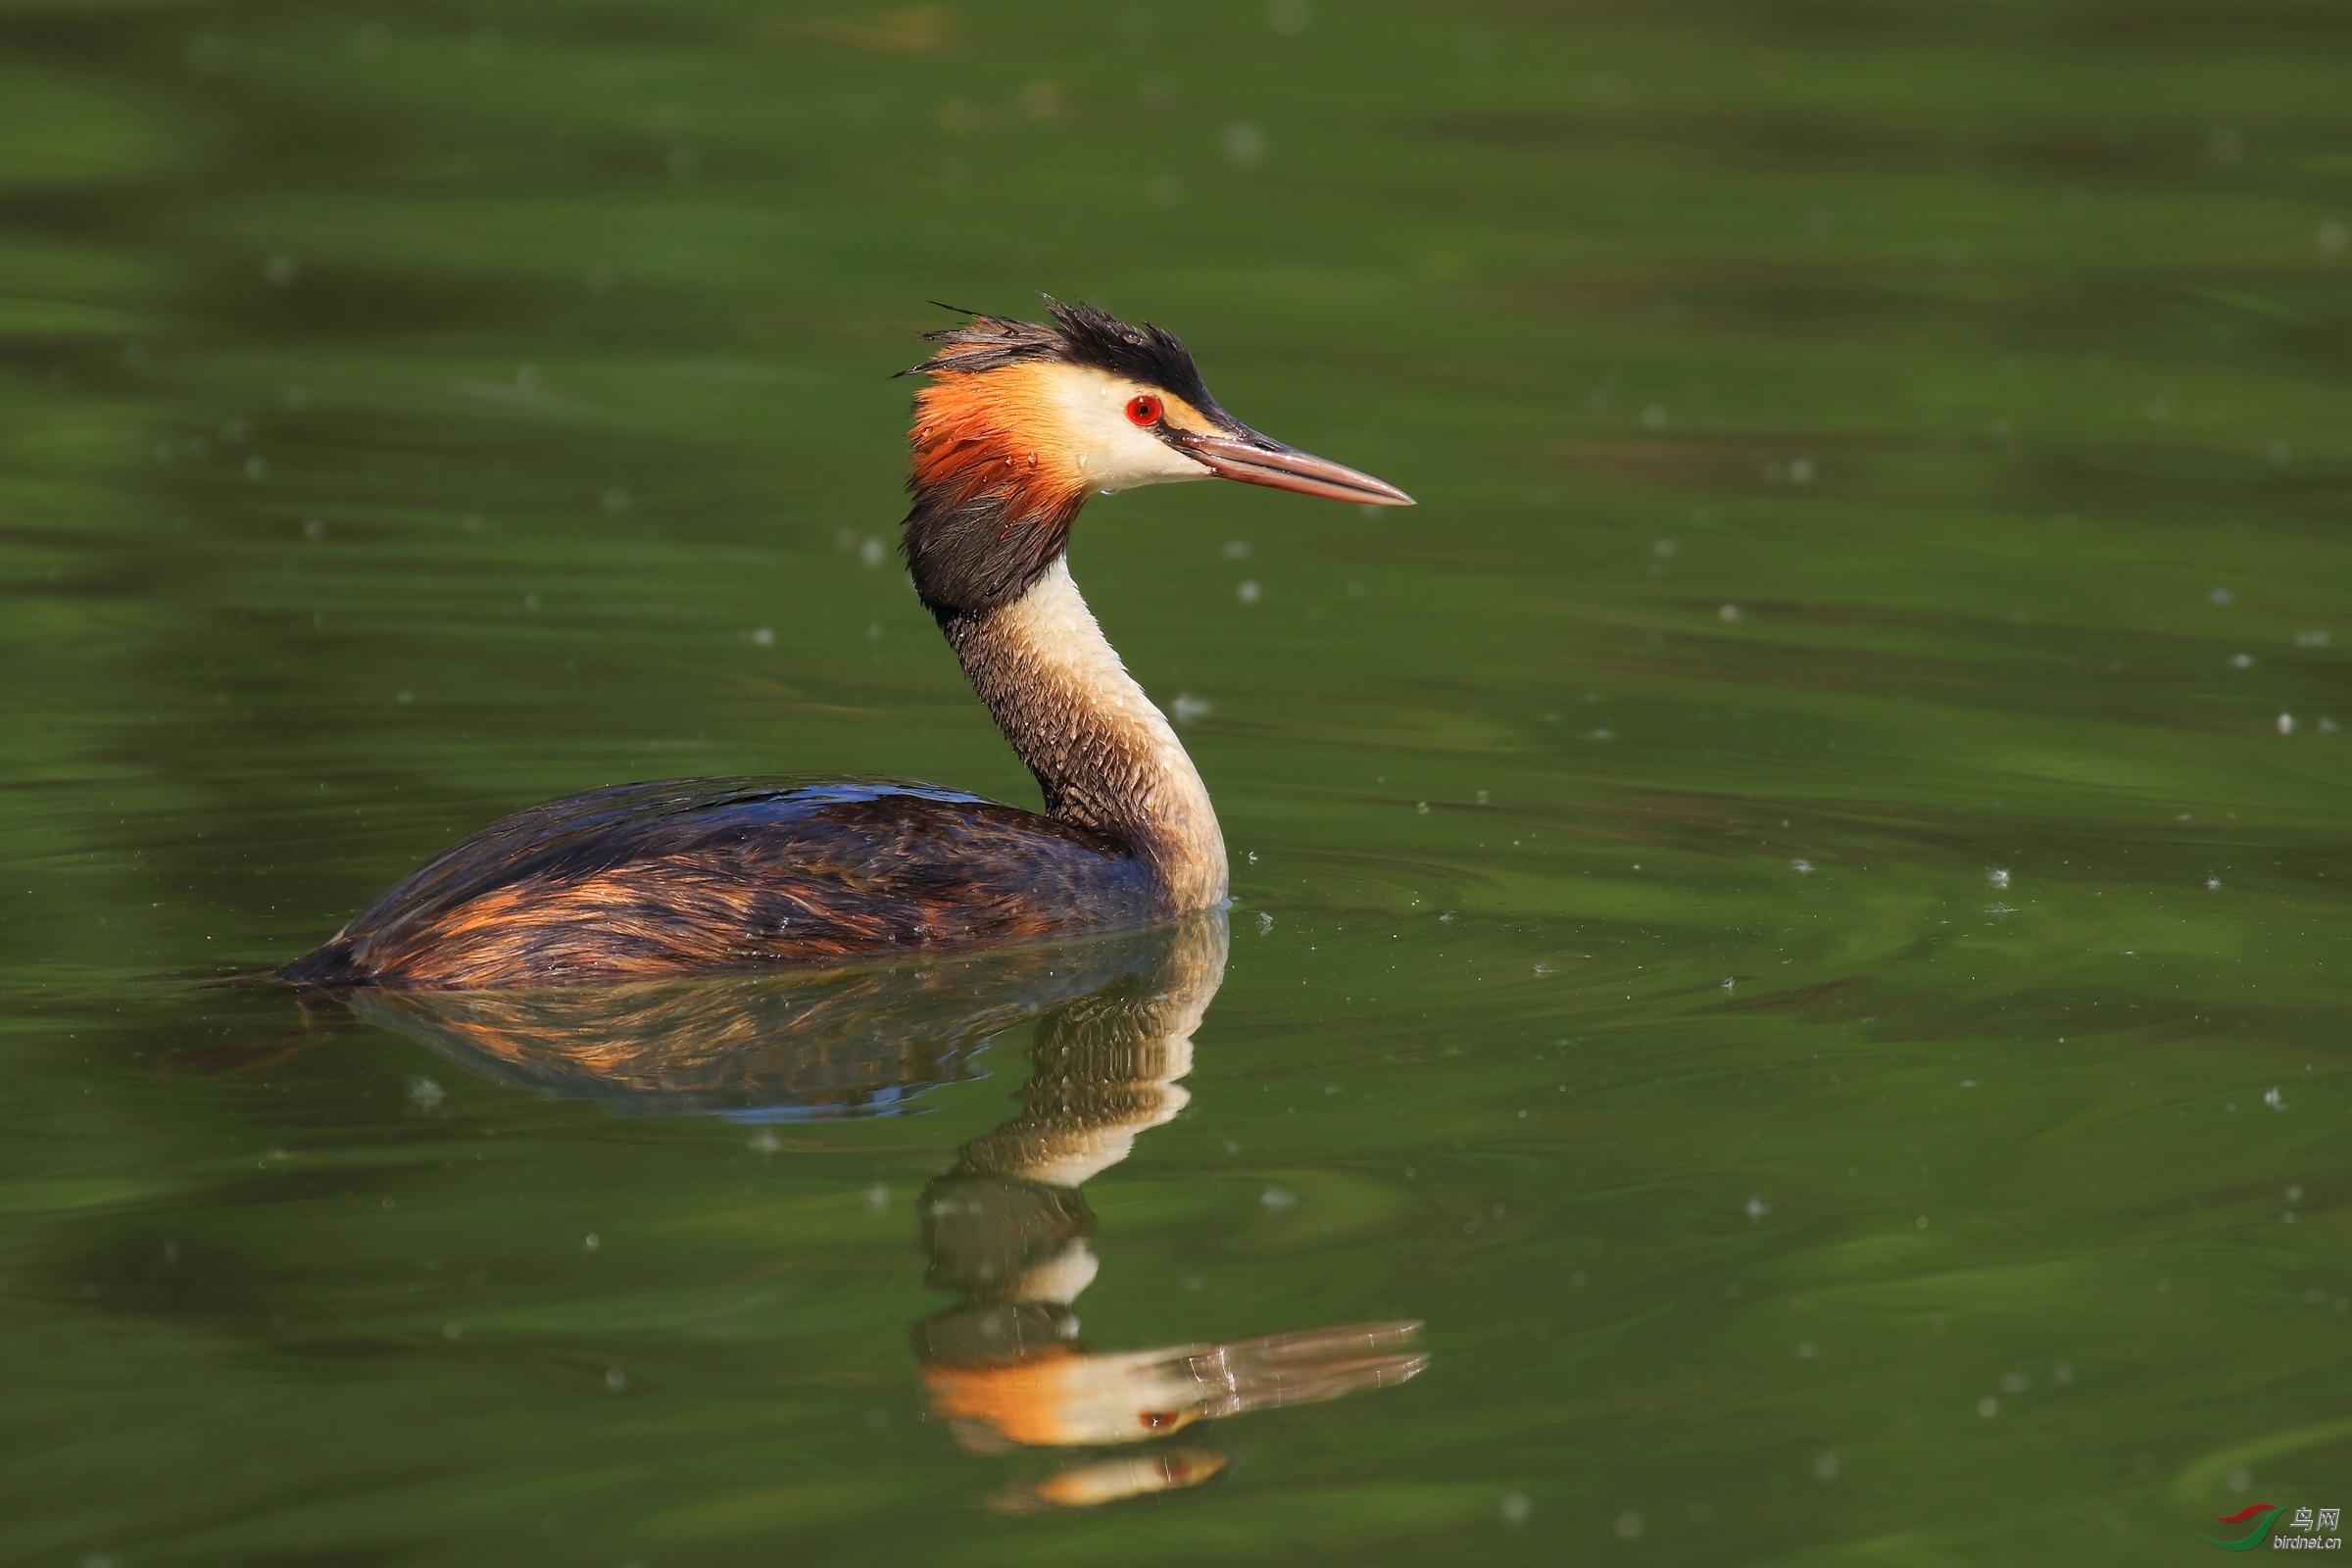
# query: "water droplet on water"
[[1629, 1525], [1998, 877], [1516, 1507], [1987, 1407]]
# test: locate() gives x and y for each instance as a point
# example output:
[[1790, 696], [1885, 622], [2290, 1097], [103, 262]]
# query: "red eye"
[[1144, 410]]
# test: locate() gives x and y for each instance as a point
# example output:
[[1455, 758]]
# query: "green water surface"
[[1794, 913]]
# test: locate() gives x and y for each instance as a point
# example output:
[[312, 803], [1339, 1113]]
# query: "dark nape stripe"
[[971, 556]]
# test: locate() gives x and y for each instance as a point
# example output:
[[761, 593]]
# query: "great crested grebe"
[[1021, 423]]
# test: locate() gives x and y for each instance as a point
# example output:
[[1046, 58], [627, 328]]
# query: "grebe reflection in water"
[[1006, 1228], [1020, 424]]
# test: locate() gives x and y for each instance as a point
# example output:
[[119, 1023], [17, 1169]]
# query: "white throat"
[[1107, 759]]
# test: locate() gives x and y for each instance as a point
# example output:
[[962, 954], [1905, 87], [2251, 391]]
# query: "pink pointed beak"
[[1254, 459]]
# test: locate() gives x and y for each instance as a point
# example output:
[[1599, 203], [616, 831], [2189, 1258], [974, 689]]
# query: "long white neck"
[[1107, 759]]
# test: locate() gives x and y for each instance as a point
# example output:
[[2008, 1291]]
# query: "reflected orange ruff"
[[1028, 1401]]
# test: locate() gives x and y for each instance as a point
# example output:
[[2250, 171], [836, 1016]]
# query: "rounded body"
[[653, 881]]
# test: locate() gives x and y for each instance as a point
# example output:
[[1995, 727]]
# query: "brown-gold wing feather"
[[646, 881]]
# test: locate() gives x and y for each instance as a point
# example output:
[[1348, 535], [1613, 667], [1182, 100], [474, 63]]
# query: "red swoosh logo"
[[2243, 1515]]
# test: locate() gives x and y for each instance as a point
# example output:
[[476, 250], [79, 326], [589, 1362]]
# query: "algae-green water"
[[1792, 912]]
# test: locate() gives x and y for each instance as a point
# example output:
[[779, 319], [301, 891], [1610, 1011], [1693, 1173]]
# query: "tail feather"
[[331, 966]]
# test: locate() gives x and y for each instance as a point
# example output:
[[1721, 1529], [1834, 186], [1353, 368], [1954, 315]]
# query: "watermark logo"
[[2300, 1531]]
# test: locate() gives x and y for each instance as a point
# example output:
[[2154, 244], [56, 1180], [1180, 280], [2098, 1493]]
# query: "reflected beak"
[[1254, 459]]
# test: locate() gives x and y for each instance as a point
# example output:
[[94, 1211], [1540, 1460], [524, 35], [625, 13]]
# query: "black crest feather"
[[1080, 334]]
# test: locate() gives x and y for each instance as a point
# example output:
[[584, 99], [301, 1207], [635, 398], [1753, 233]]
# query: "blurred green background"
[[1794, 909]]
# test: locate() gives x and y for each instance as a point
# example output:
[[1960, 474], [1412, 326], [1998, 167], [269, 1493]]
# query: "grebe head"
[[1023, 421]]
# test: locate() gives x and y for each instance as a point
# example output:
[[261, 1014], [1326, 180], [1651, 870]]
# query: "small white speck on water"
[[2237, 1480], [765, 1142], [1801, 867], [1236, 550], [2016, 1382], [615, 1380], [764, 637], [2242, 660], [2311, 639], [403, 698], [1921, 1223], [1421, 806], [2294, 1194], [425, 1094], [1987, 1407], [2219, 595], [1825, 1467], [2212, 882], [1188, 709], [1265, 923], [1249, 592], [1727, 613], [1807, 1350], [2275, 1099], [1998, 877], [877, 1197], [1516, 1507], [1244, 144], [872, 552], [1278, 1198], [2287, 723], [1629, 1525], [1757, 1208], [593, 1242], [313, 529]]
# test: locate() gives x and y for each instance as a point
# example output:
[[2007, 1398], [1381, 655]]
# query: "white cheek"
[[1112, 451]]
